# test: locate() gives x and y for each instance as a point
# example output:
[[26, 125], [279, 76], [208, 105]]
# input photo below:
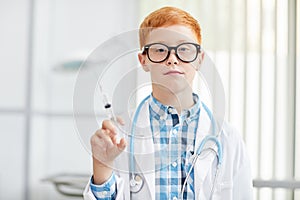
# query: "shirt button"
[[174, 198], [170, 110], [174, 164], [103, 194]]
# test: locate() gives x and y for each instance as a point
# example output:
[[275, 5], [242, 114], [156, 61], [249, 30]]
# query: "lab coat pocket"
[[223, 190]]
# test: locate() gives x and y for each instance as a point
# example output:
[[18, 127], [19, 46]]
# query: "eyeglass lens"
[[187, 52]]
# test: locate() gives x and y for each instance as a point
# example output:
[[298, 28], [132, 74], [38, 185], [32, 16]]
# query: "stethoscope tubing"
[[213, 137], [135, 118]]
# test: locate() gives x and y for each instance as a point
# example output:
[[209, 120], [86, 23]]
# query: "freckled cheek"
[[196, 64], [190, 76]]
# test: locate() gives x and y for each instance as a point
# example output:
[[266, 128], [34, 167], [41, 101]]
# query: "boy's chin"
[[174, 88]]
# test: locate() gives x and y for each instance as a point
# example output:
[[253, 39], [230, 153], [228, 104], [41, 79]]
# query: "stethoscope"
[[137, 180]]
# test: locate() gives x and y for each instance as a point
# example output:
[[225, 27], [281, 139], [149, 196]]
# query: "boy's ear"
[[201, 58], [142, 59], [199, 61]]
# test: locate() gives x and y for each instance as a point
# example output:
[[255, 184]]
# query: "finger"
[[104, 133], [101, 132], [99, 149], [114, 139], [107, 140], [106, 137], [122, 144], [120, 120], [108, 124]]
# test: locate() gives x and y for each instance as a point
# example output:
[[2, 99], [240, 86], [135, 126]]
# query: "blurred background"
[[255, 46]]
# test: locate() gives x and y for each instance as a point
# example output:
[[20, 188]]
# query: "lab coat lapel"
[[204, 162], [123, 161], [144, 149]]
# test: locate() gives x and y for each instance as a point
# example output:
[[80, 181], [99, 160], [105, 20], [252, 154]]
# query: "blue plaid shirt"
[[174, 142]]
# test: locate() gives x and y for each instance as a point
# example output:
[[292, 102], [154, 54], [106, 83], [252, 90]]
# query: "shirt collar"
[[161, 111]]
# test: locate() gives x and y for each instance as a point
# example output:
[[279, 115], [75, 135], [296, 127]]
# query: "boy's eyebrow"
[[180, 41], [177, 42]]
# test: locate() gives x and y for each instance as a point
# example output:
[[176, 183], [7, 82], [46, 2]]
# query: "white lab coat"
[[234, 177]]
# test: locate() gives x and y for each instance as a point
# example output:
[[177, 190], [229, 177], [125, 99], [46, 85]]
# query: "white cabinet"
[[12, 157]]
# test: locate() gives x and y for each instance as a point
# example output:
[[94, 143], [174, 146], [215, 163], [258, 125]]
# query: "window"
[[253, 46]]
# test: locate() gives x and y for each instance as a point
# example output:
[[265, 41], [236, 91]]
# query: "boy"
[[176, 127]]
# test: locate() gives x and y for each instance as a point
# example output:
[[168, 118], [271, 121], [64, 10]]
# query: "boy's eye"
[[183, 49], [159, 50]]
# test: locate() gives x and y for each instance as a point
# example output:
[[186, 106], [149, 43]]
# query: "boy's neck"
[[180, 101]]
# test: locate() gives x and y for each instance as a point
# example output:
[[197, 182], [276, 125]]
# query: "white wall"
[[13, 52], [62, 30]]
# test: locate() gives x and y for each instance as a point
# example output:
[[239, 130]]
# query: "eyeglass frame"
[[146, 49]]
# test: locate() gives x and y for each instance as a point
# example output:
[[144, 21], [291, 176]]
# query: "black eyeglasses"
[[158, 52]]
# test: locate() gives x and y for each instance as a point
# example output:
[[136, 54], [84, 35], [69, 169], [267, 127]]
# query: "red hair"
[[168, 16]]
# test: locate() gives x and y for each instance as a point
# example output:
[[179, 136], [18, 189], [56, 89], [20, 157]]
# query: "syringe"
[[108, 109], [107, 105]]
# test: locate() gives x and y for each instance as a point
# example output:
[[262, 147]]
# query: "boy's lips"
[[173, 72]]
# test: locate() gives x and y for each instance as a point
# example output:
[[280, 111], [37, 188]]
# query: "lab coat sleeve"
[[88, 193], [242, 181], [242, 184]]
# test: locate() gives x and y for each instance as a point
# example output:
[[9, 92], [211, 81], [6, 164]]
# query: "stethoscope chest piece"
[[136, 183]]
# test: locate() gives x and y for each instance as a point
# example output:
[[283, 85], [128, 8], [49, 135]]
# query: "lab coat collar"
[[205, 161], [144, 149]]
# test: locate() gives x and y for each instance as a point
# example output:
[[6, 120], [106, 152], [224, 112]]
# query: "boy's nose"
[[172, 59]]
